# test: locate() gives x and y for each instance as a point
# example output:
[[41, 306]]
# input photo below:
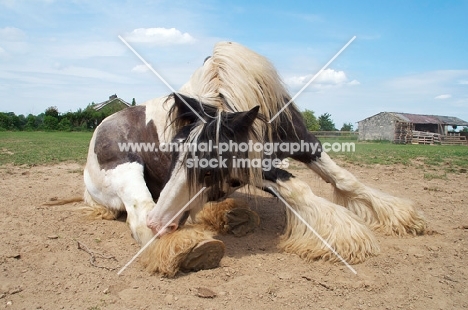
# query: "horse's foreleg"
[[340, 229], [381, 211], [190, 248], [228, 216], [129, 186]]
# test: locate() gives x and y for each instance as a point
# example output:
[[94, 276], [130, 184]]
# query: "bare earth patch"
[[52, 257]]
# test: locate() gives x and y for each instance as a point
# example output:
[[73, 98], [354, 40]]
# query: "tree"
[[326, 123], [347, 127], [65, 125], [50, 122], [133, 102], [30, 123], [5, 121], [9, 121], [51, 118], [52, 111], [465, 129], [40, 121], [310, 120]]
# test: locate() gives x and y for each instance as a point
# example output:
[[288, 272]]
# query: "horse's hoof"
[[205, 255], [240, 221]]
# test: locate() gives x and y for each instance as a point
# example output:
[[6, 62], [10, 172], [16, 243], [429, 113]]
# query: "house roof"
[[99, 106], [427, 119]]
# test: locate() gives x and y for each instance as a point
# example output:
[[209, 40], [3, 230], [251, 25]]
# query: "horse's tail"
[[60, 202]]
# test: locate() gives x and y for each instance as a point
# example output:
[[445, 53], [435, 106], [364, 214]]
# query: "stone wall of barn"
[[377, 127]]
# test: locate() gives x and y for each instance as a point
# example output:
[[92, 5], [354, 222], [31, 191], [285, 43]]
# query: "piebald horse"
[[230, 99]]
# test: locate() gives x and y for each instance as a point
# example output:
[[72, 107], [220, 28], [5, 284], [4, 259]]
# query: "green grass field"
[[38, 148], [389, 153]]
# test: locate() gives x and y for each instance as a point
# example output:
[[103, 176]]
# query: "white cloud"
[[140, 69], [444, 96], [159, 36], [327, 79], [330, 76], [12, 34], [463, 82]]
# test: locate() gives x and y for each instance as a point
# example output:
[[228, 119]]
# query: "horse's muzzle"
[[161, 230]]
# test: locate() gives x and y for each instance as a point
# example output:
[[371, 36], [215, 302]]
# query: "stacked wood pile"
[[403, 133]]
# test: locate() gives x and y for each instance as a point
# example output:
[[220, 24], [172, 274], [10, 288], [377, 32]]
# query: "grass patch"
[[431, 176], [38, 148], [449, 158]]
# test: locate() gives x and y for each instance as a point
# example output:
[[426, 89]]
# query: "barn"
[[112, 105], [411, 128]]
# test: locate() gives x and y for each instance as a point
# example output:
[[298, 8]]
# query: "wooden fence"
[[421, 137], [345, 135]]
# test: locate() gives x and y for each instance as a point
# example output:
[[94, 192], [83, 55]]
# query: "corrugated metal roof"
[[430, 119], [427, 119], [451, 120], [417, 119]]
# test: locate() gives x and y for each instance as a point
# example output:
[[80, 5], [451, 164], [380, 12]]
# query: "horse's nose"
[[161, 230], [171, 228]]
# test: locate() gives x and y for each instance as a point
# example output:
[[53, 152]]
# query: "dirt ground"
[[42, 267]]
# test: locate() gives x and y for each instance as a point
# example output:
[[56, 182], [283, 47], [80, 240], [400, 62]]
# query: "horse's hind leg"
[[339, 228], [381, 211], [96, 211]]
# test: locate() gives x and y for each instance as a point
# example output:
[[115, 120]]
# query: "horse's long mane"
[[237, 79]]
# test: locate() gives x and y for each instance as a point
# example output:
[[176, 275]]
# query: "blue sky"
[[408, 56]]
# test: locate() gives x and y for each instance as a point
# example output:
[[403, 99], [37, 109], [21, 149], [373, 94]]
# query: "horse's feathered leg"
[[96, 211], [341, 229], [228, 216], [381, 211], [190, 248]]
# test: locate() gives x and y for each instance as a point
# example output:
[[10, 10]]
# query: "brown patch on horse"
[[129, 126], [126, 126]]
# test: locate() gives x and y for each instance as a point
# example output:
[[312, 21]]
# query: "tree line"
[[52, 120], [323, 123], [88, 119]]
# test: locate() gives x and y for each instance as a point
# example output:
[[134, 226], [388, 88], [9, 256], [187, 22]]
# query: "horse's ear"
[[187, 107], [243, 120]]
